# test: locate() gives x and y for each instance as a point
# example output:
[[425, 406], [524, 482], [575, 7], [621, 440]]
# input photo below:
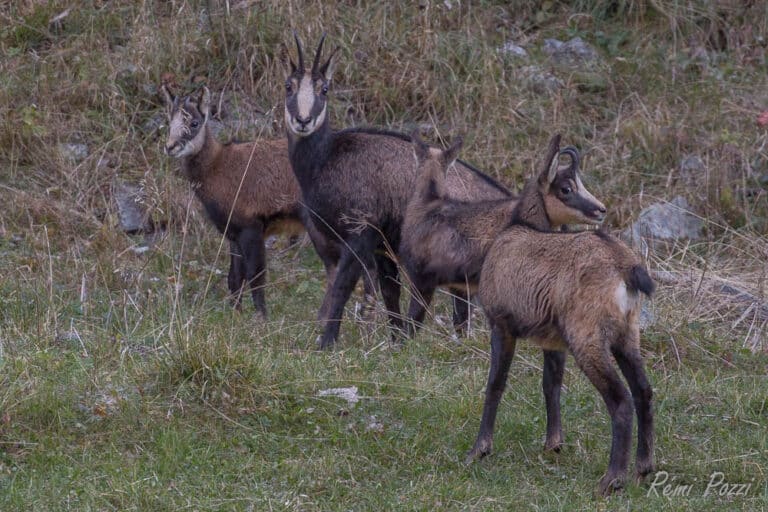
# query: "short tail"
[[638, 280]]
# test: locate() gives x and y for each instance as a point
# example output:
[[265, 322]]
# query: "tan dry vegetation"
[[83, 312]]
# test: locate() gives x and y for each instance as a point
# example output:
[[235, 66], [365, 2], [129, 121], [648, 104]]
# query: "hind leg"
[[390, 293], [251, 242], [421, 296], [461, 307], [631, 364], [236, 275], [502, 352], [598, 367], [551, 383]]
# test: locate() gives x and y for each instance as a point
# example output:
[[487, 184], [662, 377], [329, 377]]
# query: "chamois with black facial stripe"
[[577, 292], [445, 240], [356, 183], [248, 190]]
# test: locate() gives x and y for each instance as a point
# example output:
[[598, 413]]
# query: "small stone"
[[647, 316], [130, 208], [551, 46], [575, 52], [513, 50], [692, 163], [73, 152], [540, 81]]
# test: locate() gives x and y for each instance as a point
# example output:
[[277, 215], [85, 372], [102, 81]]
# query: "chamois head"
[[186, 120], [442, 157], [566, 200], [306, 91]]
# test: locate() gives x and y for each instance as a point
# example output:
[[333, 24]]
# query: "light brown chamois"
[[445, 240], [357, 182], [248, 190], [578, 292]]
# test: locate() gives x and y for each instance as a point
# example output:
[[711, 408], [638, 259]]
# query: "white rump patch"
[[623, 299]]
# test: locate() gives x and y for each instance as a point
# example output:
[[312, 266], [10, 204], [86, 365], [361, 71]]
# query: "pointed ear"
[[548, 169], [204, 104], [326, 70], [420, 148], [168, 97], [452, 153]]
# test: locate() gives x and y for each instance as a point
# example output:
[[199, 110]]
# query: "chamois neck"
[[530, 210], [195, 166], [309, 154]]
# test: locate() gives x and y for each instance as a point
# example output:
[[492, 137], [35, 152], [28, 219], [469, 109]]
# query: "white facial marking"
[[583, 192], [306, 97]]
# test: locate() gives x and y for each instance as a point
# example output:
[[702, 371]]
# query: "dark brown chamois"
[[248, 190], [356, 184], [568, 291]]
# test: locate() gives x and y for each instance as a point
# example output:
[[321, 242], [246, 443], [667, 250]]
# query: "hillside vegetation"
[[127, 382]]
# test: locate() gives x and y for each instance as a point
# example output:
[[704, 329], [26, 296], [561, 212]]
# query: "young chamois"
[[356, 184], [568, 291], [444, 240], [248, 191]]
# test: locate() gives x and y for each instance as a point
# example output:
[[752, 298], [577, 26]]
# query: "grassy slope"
[[126, 383]]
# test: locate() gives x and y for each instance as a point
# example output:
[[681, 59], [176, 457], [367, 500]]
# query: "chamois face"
[[186, 120], [566, 199], [306, 93]]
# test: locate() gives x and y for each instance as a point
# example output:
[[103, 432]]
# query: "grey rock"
[[647, 316], [664, 222], [692, 164], [152, 125], [575, 52], [131, 211], [540, 81], [512, 50], [73, 152], [551, 46]]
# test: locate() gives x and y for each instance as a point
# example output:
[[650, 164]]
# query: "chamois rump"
[[247, 189], [578, 292], [356, 184]]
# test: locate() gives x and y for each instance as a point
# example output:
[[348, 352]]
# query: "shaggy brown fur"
[[248, 191], [444, 240], [357, 183], [576, 292]]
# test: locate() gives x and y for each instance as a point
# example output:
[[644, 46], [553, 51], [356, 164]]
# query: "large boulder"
[[662, 223]]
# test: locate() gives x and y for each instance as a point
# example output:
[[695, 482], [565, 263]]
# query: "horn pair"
[[318, 53]]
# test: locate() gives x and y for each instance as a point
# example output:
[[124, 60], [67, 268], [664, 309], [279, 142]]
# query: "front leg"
[[356, 253], [251, 243], [502, 352]]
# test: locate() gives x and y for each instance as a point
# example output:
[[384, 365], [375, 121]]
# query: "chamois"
[[444, 240], [248, 191], [356, 184], [568, 291]]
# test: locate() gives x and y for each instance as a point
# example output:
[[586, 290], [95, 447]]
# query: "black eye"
[[565, 190], [288, 87], [324, 90], [194, 124]]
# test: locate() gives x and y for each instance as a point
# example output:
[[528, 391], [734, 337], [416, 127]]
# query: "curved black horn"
[[575, 157], [317, 55], [301, 52]]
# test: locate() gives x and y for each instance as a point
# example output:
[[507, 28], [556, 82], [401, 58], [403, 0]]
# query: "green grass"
[[128, 383]]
